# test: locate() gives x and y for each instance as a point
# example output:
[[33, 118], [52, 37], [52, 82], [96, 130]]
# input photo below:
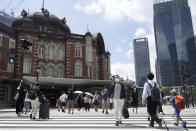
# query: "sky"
[[119, 22]]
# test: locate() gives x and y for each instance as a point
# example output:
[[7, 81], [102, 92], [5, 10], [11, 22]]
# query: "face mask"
[[117, 79]]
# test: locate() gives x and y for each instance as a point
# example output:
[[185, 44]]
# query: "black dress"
[[134, 96]]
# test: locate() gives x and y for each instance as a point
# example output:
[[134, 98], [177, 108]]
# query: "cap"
[[173, 91]]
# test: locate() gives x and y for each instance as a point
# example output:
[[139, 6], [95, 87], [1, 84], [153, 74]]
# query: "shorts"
[[177, 112], [63, 104]]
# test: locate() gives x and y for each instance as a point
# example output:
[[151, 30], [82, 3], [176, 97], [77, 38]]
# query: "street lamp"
[[38, 69]]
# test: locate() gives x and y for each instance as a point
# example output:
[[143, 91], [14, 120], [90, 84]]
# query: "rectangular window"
[[10, 67], [12, 43], [78, 51], [27, 64], [41, 51]]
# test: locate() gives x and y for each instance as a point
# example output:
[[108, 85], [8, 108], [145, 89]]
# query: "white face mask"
[[117, 79]]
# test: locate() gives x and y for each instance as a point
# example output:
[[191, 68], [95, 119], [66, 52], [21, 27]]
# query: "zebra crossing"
[[97, 122]]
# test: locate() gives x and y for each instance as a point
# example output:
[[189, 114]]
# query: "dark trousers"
[[159, 106], [19, 106], [152, 108], [87, 106]]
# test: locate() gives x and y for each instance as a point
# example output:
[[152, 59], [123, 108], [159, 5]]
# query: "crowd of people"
[[113, 97]]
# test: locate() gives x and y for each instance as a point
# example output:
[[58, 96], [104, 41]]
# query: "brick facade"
[[53, 47]]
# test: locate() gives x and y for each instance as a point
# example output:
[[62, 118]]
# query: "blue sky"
[[119, 21]]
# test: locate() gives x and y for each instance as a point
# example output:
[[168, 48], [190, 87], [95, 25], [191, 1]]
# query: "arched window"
[[27, 64], [78, 69]]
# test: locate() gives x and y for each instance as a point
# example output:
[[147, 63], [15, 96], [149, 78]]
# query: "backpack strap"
[[151, 85]]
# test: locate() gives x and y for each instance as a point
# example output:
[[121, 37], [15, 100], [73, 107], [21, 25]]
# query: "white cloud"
[[118, 10], [124, 70], [140, 32], [119, 50], [129, 54]]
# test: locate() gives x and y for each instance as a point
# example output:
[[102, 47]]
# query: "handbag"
[[125, 112]]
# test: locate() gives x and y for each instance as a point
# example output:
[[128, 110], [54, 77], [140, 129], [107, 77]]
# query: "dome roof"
[[39, 17]]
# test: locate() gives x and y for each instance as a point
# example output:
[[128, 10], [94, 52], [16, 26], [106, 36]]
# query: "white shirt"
[[147, 90], [63, 97]]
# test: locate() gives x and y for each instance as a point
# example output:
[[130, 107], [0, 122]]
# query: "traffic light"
[[25, 44], [12, 57]]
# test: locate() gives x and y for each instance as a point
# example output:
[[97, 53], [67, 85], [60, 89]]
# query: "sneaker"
[[151, 125], [72, 113], [102, 111], [176, 124], [106, 112], [184, 124], [117, 123], [34, 118]]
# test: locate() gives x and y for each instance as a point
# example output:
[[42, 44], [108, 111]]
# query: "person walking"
[[58, 104], [151, 96], [80, 101], [134, 99], [104, 101], [20, 101], [118, 91], [34, 94], [70, 101], [63, 99], [160, 109], [26, 102], [96, 101], [87, 101]]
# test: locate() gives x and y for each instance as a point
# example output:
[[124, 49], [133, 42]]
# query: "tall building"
[[175, 43], [142, 60]]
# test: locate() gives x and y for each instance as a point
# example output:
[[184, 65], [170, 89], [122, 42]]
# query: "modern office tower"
[[142, 60], [175, 43]]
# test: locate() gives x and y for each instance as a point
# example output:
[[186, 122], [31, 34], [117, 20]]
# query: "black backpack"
[[155, 93], [32, 94]]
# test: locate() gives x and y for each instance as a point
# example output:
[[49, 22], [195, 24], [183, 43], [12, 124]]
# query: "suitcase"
[[44, 111]]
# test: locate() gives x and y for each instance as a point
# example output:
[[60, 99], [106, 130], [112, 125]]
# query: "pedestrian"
[[70, 101], [178, 104], [151, 96], [80, 101], [104, 101], [27, 102], [160, 109], [111, 104], [134, 99], [63, 99], [58, 104], [96, 101], [87, 101], [34, 94], [20, 101], [118, 91]]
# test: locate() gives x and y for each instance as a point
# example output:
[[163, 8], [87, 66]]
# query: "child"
[[178, 106]]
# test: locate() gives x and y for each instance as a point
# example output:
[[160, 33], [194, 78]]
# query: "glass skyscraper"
[[175, 43], [142, 60]]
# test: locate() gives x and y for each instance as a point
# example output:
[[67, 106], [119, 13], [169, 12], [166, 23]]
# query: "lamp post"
[[37, 71]]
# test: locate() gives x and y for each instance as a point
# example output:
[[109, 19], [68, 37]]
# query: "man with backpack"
[[34, 94], [151, 96], [178, 103]]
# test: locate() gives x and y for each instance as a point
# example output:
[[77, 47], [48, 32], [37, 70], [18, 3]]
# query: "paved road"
[[90, 121]]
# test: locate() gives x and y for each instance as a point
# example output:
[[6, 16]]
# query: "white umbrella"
[[78, 92], [88, 93]]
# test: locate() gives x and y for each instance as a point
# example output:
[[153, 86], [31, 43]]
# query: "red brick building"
[[60, 53]]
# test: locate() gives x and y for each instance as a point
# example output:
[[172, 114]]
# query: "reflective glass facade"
[[175, 43], [142, 61]]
